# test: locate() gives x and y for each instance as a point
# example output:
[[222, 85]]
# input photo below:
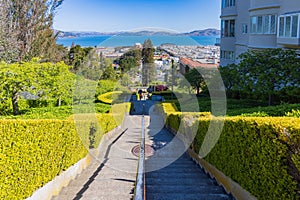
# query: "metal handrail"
[[140, 178]]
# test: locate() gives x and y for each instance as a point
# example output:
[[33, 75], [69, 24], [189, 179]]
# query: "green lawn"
[[62, 112], [244, 107]]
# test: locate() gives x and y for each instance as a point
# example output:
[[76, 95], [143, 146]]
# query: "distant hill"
[[72, 34], [206, 32], [146, 33]]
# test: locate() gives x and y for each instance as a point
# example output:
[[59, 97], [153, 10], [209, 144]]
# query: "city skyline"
[[118, 15]]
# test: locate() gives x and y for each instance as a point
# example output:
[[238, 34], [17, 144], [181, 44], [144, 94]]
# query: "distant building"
[[186, 64], [138, 45], [258, 24]]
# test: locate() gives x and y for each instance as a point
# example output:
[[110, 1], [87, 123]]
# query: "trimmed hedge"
[[91, 127], [169, 107], [109, 97], [33, 152], [261, 154]]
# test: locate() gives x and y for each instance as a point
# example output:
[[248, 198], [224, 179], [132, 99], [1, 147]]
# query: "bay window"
[[228, 28], [289, 26], [263, 24]]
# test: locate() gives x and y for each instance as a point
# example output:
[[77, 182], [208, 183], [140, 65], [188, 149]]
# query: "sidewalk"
[[113, 173]]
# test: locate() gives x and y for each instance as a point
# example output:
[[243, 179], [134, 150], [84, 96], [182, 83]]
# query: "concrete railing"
[[140, 178]]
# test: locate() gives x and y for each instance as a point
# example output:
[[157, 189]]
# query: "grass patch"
[[62, 112], [244, 107]]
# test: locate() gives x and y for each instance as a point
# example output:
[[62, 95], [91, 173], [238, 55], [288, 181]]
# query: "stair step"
[[179, 170], [170, 161], [166, 174], [175, 196], [185, 189], [175, 181], [176, 165]]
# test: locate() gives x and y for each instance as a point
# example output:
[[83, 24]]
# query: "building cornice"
[[229, 15], [241, 44], [264, 7], [261, 47]]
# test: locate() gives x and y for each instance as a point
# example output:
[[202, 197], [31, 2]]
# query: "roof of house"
[[195, 64]]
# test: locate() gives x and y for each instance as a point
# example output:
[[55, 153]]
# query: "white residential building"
[[255, 24]]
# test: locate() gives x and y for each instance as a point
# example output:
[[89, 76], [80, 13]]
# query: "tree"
[[130, 59], [57, 82], [26, 21], [125, 80], [92, 66], [195, 79], [109, 73], [9, 44], [77, 56], [264, 72], [45, 47], [42, 80], [148, 70], [13, 80]]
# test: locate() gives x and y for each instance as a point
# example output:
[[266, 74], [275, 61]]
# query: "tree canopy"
[[26, 29], [148, 70], [263, 72], [41, 80], [130, 59], [195, 79]]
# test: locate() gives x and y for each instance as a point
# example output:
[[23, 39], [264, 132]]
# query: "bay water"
[[115, 41]]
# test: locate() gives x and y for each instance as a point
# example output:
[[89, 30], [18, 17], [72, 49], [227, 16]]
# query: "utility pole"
[[172, 78]]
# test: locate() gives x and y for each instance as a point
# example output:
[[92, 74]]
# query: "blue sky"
[[123, 15]]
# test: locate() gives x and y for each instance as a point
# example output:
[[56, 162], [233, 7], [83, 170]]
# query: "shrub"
[[108, 97], [275, 111], [261, 154], [62, 112], [293, 113], [33, 152], [169, 107], [105, 86], [161, 88], [94, 125]]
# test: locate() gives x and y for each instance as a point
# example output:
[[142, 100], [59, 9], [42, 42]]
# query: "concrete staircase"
[[183, 179], [171, 174]]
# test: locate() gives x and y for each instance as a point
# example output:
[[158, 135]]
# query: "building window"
[[288, 26], [244, 28], [228, 28], [264, 24], [259, 24], [228, 3], [281, 26], [295, 23], [229, 55], [272, 24], [267, 26], [253, 24]]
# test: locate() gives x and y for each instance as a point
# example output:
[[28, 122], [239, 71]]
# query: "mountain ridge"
[[72, 34]]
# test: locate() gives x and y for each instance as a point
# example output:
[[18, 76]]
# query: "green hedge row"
[[33, 152], [261, 154], [91, 127], [109, 97]]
